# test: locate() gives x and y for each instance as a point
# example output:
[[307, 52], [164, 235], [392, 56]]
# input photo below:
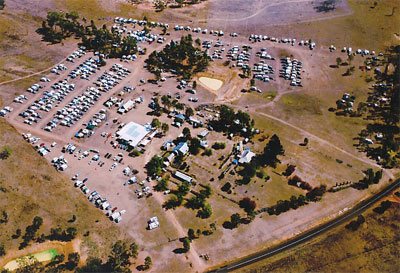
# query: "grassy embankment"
[[373, 247]]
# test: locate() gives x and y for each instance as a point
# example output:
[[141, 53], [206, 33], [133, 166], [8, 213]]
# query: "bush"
[[247, 204], [2, 251], [260, 174], [5, 152], [186, 244], [289, 170], [219, 145], [205, 212], [134, 153], [162, 185], [383, 207]]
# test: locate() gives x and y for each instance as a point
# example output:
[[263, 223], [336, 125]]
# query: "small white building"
[[246, 156]]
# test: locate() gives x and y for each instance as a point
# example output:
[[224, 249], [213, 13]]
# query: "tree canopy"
[[181, 58]]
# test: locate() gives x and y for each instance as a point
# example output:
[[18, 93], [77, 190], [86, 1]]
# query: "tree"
[[338, 61], [133, 247], [162, 185], [195, 202], [213, 226], [165, 101], [186, 133], [154, 166], [73, 260], [72, 15], [155, 123], [5, 152], [205, 212], [186, 244], [247, 204], [194, 146], [164, 128], [350, 58], [174, 201], [289, 170], [219, 145], [17, 234], [271, 152], [252, 82], [5, 217], [183, 189], [119, 258], [2, 4], [71, 233], [293, 202], [2, 251], [206, 193], [37, 221], [207, 152], [134, 153], [93, 265], [179, 106], [316, 193], [247, 71], [148, 262], [189, 112], [191, 234], [235, 219]]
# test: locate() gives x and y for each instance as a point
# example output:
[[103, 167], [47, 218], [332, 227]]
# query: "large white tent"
[[132, 133]]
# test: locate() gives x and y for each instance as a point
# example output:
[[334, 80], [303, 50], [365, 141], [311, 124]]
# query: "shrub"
[[219, 145], [5, 152]]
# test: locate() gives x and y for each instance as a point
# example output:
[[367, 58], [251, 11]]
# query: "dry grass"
[[31, 187], [374, 247], [367, 27]]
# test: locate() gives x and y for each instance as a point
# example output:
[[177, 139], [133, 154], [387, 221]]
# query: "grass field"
[[374, 247], [367, 27]]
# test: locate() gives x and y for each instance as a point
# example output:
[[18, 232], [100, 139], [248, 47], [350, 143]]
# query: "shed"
[[203, 134], [183, 177]]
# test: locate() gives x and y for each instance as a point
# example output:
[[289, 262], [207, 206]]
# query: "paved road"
[[358, 209]]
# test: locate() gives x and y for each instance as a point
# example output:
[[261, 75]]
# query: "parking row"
[[291, 70]]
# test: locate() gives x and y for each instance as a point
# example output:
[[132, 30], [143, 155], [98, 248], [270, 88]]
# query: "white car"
[[113, 166], [54, 144]]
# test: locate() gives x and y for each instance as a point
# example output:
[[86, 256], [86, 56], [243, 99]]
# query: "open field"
[[373, 247], [292, 112]]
